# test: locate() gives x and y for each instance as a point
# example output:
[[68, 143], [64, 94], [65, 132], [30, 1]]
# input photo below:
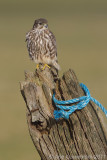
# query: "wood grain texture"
[[80, 137]]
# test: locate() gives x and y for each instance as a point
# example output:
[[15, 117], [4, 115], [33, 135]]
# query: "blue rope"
[[65, 111]]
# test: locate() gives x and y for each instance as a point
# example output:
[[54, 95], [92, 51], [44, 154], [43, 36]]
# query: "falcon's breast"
[[41, 46]]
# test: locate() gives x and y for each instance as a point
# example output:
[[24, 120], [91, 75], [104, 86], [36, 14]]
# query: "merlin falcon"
[[41, 44]]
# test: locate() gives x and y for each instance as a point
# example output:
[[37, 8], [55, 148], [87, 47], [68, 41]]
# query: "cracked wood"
[[83, 134]]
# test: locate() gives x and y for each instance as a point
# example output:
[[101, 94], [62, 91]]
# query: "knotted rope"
[[64, 111]]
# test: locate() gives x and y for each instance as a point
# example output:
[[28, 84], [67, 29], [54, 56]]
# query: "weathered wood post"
[[80, 137]]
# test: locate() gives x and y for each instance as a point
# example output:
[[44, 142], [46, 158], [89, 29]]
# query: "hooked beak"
[[45, 25]]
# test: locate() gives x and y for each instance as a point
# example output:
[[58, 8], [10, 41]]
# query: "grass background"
[[80, 28]]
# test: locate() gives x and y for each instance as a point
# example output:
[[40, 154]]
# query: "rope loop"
[[64, 111]]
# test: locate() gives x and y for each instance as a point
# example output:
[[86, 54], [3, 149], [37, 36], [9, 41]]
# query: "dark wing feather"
[[53, 40]]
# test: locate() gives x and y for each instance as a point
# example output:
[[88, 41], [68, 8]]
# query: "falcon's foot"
[[46, 65], [37, 66]]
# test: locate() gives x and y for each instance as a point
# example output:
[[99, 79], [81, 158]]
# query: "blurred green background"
[[80, 27]]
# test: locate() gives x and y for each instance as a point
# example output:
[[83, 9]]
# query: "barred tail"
[[56, 65]]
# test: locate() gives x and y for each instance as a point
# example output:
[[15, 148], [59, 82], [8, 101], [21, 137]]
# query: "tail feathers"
[[56, 65]]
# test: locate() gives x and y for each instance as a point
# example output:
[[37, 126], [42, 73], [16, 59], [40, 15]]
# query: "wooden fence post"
[[80, 137]]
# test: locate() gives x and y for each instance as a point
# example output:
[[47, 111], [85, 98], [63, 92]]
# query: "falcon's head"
[[40, 24]]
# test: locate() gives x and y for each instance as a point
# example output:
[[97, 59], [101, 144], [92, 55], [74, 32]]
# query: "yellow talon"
[[37, 66], [46, 65]]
